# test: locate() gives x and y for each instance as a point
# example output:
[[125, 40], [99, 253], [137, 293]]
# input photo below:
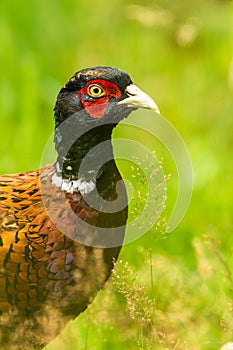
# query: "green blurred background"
[[181, 53]]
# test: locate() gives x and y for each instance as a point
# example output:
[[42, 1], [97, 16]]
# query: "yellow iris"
[[95, 90]]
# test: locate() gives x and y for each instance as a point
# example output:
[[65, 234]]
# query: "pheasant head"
[[87, 109]]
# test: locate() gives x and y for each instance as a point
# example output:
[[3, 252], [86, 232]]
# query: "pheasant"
[[61, 227]]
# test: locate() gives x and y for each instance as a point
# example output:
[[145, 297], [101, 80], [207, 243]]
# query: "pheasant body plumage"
[[56, 247]]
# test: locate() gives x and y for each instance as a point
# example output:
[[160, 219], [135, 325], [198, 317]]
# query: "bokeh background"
[[170, 293]]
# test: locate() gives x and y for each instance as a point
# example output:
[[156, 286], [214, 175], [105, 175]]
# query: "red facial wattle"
[[96, 106]]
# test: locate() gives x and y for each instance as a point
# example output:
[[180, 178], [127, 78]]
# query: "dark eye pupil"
[[96, 90]]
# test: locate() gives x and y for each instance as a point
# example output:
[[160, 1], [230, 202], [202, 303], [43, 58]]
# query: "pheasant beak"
[[138, 98]]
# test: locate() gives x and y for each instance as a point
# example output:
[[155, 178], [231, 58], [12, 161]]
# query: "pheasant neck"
[[85, 157]]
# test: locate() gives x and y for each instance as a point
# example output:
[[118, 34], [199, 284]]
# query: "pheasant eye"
[[95, 91]]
